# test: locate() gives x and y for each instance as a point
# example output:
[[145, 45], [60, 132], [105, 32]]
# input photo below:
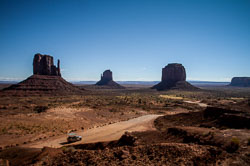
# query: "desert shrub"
[[68, 149], [4, 107], [208, 134], [63, 148], [40, 109], [71, 149], [4, 131], [233, 145], [113, 110], [139, 101], [178, 102], [166, 105]]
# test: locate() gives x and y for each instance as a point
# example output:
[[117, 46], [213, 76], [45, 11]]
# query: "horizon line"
[[69, 80]]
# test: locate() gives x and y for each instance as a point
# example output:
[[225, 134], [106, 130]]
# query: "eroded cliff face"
[[240, 81], [107, 80], [173, 73], [106, 77], [44, 65], [173, 77], [45, 80]]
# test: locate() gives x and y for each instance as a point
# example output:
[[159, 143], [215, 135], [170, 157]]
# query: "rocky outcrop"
[[44, 65], [106, 77], [173, 73], [240, 81], [46, 80], [127, 139], [44, 84], [107, 81], [173, 77], [223, 117]]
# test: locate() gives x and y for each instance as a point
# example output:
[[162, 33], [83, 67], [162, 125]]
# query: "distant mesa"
[[107, 80], [46, 78], [173, 77], [240, 81]]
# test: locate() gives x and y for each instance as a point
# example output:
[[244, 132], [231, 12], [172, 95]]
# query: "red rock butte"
[[173, 77], [240, 81], [46, 79], [44, 65], [107, 80]]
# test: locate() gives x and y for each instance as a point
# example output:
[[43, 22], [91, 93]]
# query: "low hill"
[[40, 84]]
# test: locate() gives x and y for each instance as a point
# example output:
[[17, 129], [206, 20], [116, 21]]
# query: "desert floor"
[[129, 126]]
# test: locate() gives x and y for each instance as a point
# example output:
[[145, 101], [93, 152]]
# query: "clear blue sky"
[[133, 38]]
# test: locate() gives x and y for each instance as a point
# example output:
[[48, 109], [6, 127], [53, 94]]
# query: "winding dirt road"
[[106, 133]]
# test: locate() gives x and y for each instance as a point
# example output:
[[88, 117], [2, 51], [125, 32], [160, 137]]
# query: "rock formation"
[[40, 84], [240, 81], [107, 80], [46, 79], [44, 65], [173, 77]]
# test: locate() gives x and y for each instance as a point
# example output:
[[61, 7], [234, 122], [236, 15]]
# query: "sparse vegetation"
[[40, 109], [233, 145], [68, 149], [42, 117]]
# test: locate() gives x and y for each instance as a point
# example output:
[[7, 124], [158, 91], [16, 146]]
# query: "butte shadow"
[[174, 77], [46, 79]]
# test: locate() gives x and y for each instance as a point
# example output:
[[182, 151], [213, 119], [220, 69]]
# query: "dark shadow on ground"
[[65, 143]]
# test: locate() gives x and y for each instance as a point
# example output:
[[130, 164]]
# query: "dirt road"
[[197, 102], [105, 133]]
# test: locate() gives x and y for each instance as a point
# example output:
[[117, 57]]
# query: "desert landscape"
[[124, 82], [178, 124]]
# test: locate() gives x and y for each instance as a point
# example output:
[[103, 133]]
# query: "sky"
[[133, 38]]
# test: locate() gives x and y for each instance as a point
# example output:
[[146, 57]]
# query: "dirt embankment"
[[225, 129]]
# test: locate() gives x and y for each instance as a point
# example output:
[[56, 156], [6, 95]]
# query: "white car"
[[72, 137]]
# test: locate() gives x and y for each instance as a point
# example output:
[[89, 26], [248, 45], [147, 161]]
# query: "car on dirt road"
[[72, 137]]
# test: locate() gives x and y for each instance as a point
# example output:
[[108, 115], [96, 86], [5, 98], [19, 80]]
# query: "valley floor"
[[133, 126]]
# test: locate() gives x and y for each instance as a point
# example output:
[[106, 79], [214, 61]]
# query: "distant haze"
[[135, 39]]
